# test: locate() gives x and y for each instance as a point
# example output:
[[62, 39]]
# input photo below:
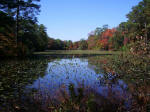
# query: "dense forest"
[[21, 34]]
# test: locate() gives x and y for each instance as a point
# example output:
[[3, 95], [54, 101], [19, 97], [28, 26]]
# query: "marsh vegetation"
[[91, 83]]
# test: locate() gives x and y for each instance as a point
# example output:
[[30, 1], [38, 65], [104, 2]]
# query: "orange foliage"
[[108, 33], [103, 39]]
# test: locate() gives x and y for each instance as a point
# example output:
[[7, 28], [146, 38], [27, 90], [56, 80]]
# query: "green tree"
[[22, 10], [34, 36], [140, 15], [7, 29], [117, 40], [83, 45]]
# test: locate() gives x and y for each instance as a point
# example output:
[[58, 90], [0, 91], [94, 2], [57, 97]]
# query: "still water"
[[25, 83], [61, 73]]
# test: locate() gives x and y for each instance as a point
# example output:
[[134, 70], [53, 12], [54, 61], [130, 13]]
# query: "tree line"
[[20, 33], [133, 35]]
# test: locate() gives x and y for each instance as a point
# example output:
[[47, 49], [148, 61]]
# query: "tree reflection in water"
[[74, 82]]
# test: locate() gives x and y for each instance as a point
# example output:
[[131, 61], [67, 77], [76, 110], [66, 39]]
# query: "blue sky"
[[74, 19]]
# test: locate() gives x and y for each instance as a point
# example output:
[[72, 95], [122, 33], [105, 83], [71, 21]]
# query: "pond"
[[70, 82]]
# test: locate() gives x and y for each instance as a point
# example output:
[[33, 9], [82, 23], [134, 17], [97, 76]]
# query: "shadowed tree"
[[140, 15], [21, 10]]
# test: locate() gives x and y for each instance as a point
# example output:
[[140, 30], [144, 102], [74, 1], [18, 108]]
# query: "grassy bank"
[[73, 52]]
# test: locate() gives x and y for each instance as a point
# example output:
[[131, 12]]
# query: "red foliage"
[[108, 33], [103, 39], [104, 43]]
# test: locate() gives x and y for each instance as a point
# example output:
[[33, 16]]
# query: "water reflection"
[[62, 73], [46, 83]]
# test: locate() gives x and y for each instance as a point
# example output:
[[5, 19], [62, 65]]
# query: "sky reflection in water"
[[77, 71]]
